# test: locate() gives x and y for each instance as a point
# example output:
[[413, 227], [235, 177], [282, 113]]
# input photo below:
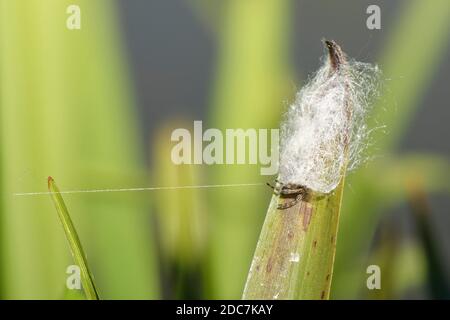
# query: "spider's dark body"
[[294, 191]]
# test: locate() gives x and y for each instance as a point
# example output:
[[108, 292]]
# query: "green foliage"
[[411, 56], [76, 248], [251, 83], [181, 221], [66, 110]]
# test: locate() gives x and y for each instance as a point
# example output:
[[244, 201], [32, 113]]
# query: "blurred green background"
[[95, 108]]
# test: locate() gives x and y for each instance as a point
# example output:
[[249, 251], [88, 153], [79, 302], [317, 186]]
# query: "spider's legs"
[[275, 190], [270, 185], [296, 190]]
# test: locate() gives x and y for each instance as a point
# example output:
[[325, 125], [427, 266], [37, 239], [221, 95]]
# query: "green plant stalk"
[[74, 242], [181, 220], [295, 253], [260, 30], [421, 210]]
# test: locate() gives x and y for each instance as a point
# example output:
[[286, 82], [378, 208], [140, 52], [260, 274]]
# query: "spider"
[[289, 190]]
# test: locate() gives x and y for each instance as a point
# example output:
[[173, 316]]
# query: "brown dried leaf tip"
[[337, 57]]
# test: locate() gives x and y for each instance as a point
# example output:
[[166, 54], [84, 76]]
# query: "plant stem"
[[421, 210], [295, 253], [74, 242]]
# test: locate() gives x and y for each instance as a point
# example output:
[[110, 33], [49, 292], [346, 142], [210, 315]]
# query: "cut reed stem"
[[295, 253]]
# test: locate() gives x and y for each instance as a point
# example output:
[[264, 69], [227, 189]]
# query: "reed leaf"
[[74, 242]]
